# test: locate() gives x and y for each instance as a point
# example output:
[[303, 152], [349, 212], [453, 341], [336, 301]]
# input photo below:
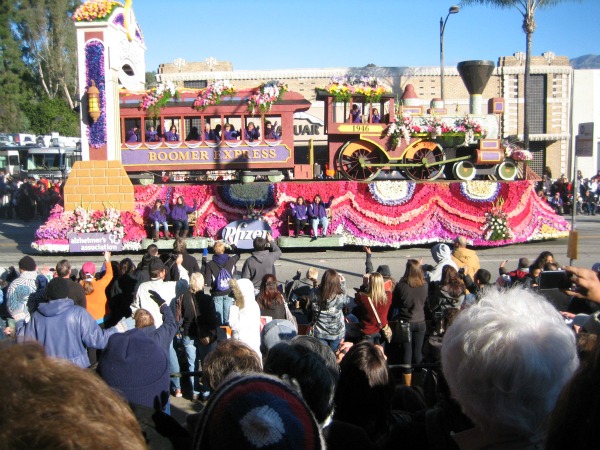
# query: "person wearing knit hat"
[[276, 331], [257, 411], [65, 330], [24, 290], [136, 364], [95, 289], [383, 269], [138, 367], [169, 291]]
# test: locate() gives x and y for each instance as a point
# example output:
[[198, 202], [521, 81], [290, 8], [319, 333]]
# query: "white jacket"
[[442, 255], [245, 323], [168, 290]]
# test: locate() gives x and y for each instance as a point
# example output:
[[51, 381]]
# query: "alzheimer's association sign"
[[94, 242], [242, 232]]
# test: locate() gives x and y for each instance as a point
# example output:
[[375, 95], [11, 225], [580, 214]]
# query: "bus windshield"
[[44, 162]]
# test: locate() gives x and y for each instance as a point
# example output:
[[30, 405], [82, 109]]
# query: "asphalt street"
[[16, 237]]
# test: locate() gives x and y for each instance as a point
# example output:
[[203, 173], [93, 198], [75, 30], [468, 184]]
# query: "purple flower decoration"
[[94, 70]]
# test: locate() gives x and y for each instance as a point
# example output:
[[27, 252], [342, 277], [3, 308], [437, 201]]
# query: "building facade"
[[550, 96]]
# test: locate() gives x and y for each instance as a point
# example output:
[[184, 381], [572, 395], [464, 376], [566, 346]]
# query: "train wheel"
[[464, 170], [422, 155], [507, 171], [355, 158]]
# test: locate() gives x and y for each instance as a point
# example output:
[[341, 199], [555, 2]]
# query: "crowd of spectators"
[[28, 198], [559, 193], [474, 360]]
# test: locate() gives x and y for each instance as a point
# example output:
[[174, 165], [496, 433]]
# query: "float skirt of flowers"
[[381, 213]]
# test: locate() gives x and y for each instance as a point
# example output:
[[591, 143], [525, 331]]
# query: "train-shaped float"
[[197, 134]]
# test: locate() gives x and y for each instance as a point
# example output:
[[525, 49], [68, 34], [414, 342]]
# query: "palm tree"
[[527, 8]]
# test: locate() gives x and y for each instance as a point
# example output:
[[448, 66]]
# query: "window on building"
[[537, 103], [195, 84], [538, 150]]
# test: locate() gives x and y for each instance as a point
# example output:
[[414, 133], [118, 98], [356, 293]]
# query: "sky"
[[280, 34]]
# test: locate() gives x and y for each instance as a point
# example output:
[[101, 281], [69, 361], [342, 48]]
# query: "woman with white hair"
[[506, 359], [244, 314]]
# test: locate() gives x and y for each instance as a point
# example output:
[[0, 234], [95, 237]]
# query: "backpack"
[[221, 281]]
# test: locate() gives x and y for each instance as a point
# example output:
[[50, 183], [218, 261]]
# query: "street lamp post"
[[453, 10]]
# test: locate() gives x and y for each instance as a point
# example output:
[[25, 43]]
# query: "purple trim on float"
[[205, 155]]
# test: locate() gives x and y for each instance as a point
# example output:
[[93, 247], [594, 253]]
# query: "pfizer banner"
[[94, 242], [242, 232]]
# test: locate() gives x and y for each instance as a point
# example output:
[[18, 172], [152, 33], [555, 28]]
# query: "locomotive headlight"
[[93, 95]]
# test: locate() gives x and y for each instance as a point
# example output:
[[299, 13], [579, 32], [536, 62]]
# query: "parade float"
[[410, 176]]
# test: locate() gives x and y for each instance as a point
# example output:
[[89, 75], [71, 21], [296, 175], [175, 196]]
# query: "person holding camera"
[[262, 260], [216, 273], [465, 257]]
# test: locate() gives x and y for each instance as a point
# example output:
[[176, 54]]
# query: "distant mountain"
[[586, 62]]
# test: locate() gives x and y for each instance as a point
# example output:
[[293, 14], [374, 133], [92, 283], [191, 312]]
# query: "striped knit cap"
[[257, 412]]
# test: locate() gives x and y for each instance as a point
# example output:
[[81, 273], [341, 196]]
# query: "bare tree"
[[48, 41]]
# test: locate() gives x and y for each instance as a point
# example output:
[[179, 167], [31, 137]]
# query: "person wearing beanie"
[[274, 332], [257, 411], [95, 289], [25, 291], [169, 291], [64, 329], [136, 362], [136, 365], [516, 276]]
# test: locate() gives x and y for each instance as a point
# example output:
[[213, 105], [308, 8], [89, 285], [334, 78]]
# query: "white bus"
[[53, 163], [10, 161]]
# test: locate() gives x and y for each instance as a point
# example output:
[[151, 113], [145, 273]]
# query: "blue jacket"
[[252, 135], [230, 135], [170, 136], [180, 212], [300, 212], [318, 211], [152, 136], [131, 136], [271, 134], [65, 330], [156, 215], [211, 136]]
